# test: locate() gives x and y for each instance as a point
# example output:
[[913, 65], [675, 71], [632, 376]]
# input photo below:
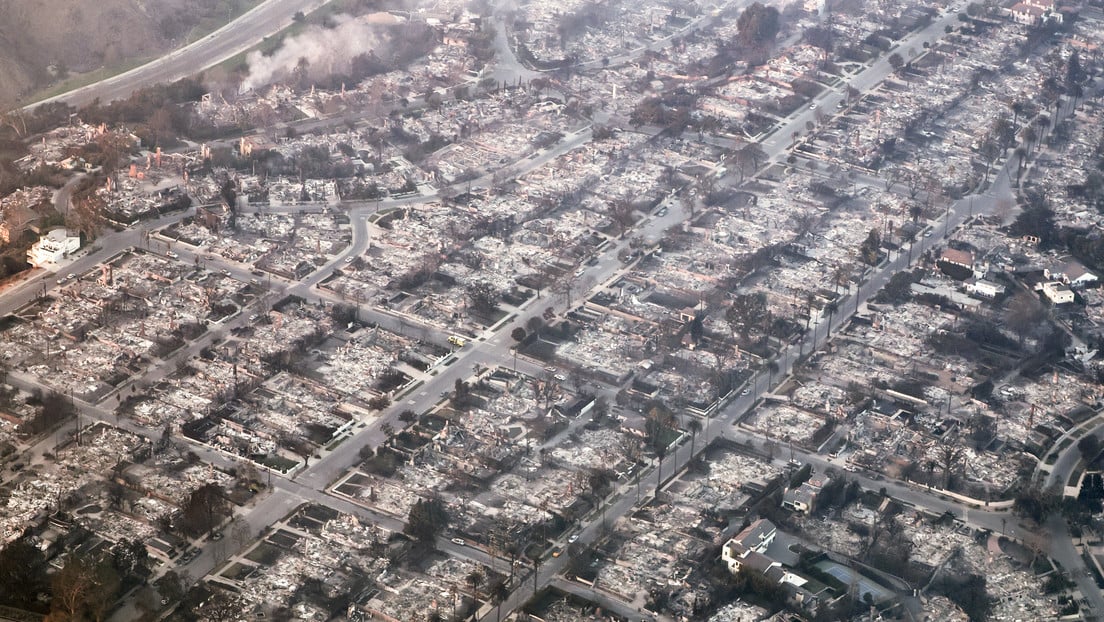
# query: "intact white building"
[[53, 247], [983, 288], [1035, 12], [1058, 293]]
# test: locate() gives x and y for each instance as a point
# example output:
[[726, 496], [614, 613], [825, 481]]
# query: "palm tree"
[[695, 426], [661, 453], [1029, 134], [1042, 126], [929, 465], [536, 571], [475, 579], [499, 592], [809, 300], [1076, 92], [832, 307], [839, 277]]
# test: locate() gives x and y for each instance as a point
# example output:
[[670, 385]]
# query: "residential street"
[[494, 347]]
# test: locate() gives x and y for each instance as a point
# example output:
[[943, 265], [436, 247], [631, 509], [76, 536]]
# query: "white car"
[[172, 255], [573, 538], [349, 259], [458, 541]]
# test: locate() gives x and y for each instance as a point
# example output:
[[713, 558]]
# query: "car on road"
[[927, 233], [556, 553], [550, 369], [68, 277], [745, 391], [560, 377], [661, 212], [812, 106], [172, 255], [458, 541], [226, 273], [349, 259], [573, 538]]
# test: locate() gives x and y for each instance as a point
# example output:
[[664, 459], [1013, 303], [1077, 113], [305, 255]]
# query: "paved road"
[[492, 349], [508, 69], [876, 278], [1056, 476], [40, 280], [868, 78], [266, 19], [722, 424]]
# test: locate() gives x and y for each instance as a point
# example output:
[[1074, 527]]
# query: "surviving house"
[[53, 247], [1035, 12], [1072, 273], [957, 264], [1058, 293], [803, 498]]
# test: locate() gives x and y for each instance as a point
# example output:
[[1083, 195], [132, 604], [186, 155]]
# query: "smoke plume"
[[325, 51]]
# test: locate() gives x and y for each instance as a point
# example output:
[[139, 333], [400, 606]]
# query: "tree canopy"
[[758, 25], [427, 519]]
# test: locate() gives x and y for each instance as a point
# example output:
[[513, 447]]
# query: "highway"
[[264, 20]]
